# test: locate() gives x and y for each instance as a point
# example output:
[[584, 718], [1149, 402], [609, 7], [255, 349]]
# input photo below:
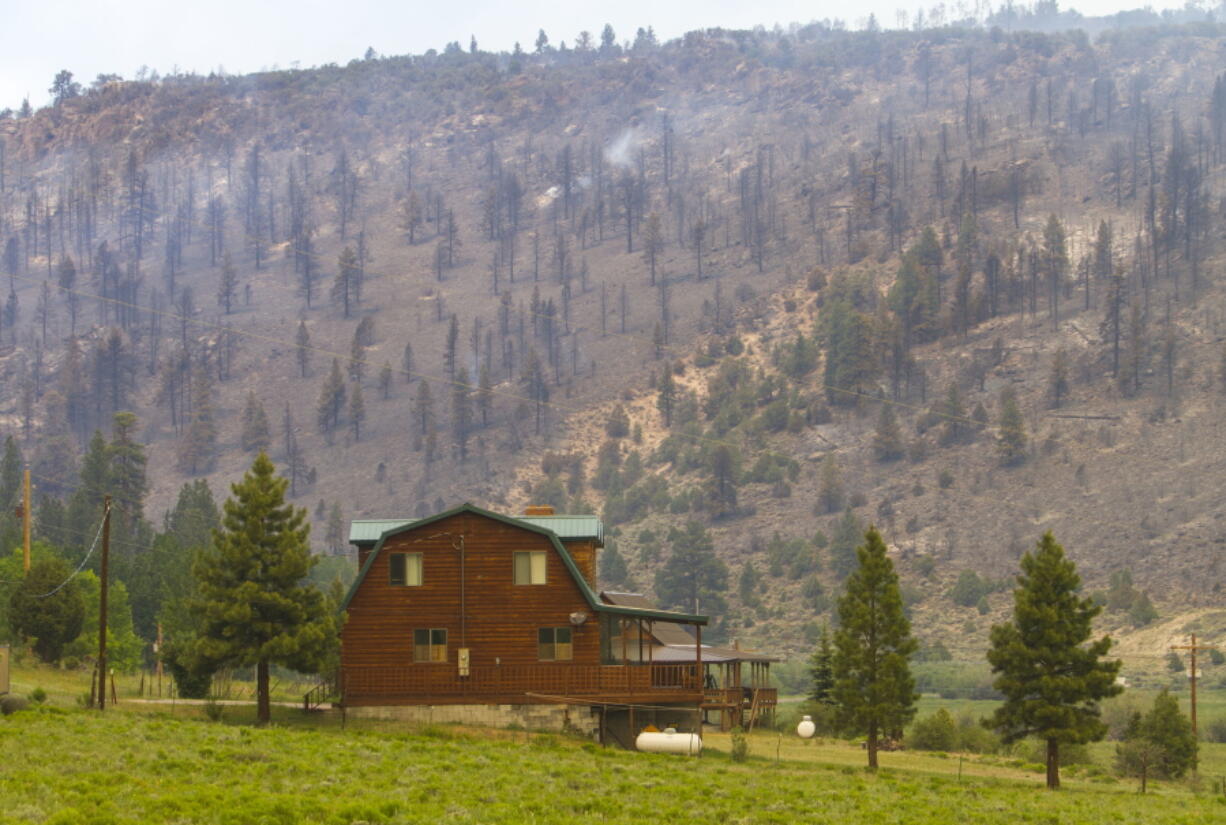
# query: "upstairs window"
[[530, 567], [430, 645], [404, 569], [554, 644]]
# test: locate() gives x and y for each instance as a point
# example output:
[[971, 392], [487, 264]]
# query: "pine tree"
[[666, 395], [873, 686], [1052, 680], [423, 408], [199, 445], [357, 411], [953, 416], [1011, 443], [1059, 377], [344, 288], [51, 621], [302, 351], [461, 411], [406, 363], [331, 401], [256, 436], [335, 538], [693, 578], [830, 493], [227, 286], [887, 440], [843, 544], [613, 572], [385, 381], [821, 670], [128, 477], [452, 347], [1161, 743], [255, 605], [485, 395]]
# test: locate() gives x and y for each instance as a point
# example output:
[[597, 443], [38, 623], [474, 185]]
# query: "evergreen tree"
[[693, 578], [406, 363], [302, 351], [452, 347], [331, 401], [51, 621], [1052, 680], [227, 287], [614, 574], [887, 440], [851, 364], [461, 411], [952, 415], [485, 395], [198, 447], [423, 408], [1059, 377], [385, 381], [843, 544], [666, 395], [1011, 442], [128, 478], [255, 605], [821, 670], [617, 425], [344, 288], [357, 411], [873, 645], [256, 436], [830, 493], [1161, 743]]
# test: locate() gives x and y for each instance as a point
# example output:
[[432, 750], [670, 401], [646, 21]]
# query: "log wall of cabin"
[[502, 617]]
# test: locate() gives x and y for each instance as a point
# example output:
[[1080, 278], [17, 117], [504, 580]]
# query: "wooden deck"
[[425, 684], [743, 706]]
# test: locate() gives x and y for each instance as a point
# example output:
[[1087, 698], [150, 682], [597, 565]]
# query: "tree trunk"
[[872, 748], [263, 710], [1053, 764]]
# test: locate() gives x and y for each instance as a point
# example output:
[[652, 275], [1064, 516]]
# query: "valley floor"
[[146, 765]]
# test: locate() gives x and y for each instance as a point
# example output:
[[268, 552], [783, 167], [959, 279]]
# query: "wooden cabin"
[[472, 607]]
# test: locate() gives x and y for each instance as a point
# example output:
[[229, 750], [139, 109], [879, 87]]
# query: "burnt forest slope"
[[801, 229]]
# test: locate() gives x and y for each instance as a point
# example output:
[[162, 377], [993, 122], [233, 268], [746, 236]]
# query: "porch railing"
[[560, 679]]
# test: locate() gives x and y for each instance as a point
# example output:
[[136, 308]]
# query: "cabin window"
[[404, 569], [554, 644], [530, 567], [430, 645]]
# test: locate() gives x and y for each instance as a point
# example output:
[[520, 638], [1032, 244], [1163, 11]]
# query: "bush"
[[1215, 731], [935, 732], [214, 709], [38, 696], [10, 704], [740, 745]]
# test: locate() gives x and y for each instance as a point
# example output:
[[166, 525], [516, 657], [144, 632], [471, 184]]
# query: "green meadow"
[[157, 763]]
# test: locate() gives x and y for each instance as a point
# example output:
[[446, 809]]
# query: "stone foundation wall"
[[559, 718]]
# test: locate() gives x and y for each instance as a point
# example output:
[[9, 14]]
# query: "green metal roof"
[[589, 595], [368, 530]]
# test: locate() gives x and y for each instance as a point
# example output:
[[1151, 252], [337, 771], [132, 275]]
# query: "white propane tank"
[[806, 728], [669, 741]]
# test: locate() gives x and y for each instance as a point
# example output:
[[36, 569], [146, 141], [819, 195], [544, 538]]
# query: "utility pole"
[[1192, 648], [27, 516], [106, 557]]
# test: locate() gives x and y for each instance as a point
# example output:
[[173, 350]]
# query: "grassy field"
[[147, 763]]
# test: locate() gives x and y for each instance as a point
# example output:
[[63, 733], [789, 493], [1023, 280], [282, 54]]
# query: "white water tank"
[[669, 741], [806, 728]]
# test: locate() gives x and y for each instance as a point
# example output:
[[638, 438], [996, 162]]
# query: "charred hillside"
[[961, 283]]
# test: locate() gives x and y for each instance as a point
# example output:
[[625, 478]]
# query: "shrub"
[[38, 696], [214, 709], [945, 479], [935, 732], [740, 745], [11, 704]]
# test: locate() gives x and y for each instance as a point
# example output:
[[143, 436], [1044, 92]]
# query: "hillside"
[[541, 238]]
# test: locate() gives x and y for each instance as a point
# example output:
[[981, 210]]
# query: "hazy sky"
[[88, 37]]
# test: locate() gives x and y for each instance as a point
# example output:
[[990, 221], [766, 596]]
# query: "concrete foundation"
[[559, 718]]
